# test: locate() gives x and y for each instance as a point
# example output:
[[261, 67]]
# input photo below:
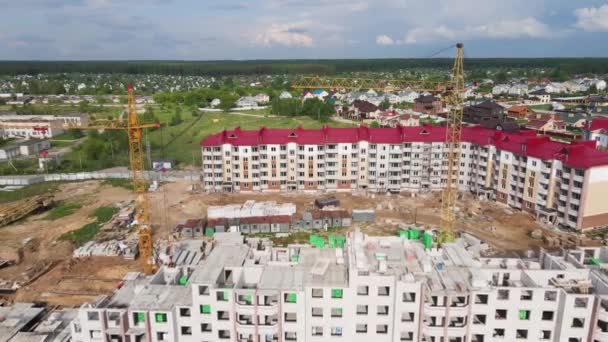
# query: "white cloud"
[[524, 28], [592, 18], [285, 34], [384, 40]]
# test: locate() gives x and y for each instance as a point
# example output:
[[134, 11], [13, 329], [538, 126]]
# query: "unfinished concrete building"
[[251, 217], [374, 289]]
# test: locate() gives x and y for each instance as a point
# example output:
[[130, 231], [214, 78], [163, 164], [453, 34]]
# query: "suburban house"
[[215, 102], [428, 105], [547, 125], [307, 96], [518, 90], [363, 110], [285, 95], [500, 89], [320, 94], [598, 131], [489, 114], [518, 112], [542, 94]]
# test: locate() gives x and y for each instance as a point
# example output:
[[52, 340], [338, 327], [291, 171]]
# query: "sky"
[[290, 29]]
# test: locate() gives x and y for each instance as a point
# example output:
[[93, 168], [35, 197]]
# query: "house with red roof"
[[518, 112], [598, 132], [361, 110]]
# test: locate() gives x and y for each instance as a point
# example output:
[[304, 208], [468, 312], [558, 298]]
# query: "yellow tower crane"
[[134, 131], [454, 97]]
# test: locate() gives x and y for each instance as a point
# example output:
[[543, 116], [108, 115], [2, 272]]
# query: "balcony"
[[578, 178], [565, 186]]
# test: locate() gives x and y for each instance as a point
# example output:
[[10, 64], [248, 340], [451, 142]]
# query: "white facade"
[[381, 289]]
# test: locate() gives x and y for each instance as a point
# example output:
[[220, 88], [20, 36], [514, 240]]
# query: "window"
[[361, 328], [524, 315], [384, 290], [290, 317], [547, 315], [139, 317], [205, 309], [186, 331], [336, 331], [545, 335], [382, 310], [526, 295], [160, 318], [336, 293], [407, 336], [93, 316], [551, 296], [184, 312], [223, 315], [317, 312], [362, 290], [317, 293], [223, 334], [205, 327], [336, 312], [290, 298], [500, 314], [361, 309], [317, 331], [503, 294], [409, 297], [407, 316], [499, 333], [521, 334], [203, 290], [578, 322], [381, 329], [481, 299], [581, 302], [291, 336], [479, 319], [160, 336]]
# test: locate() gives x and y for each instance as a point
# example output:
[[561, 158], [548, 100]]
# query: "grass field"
[[63, 209], [182, 142], [28, 191], [85, 234]]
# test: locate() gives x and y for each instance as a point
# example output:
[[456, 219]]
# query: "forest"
[[272, 67]]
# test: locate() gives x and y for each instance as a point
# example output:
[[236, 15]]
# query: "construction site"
[[91, 244], [37, 265]]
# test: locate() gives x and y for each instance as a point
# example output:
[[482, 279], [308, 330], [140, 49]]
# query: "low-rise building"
[[15, 149]]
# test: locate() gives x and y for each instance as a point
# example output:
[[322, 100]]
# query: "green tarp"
[[291, 298], [209, 231]]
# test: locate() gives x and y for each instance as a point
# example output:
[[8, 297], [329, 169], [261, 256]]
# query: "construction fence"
[[82, 176]]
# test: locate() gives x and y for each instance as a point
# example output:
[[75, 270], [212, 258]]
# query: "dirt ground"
[[68, 282], [44, 252]]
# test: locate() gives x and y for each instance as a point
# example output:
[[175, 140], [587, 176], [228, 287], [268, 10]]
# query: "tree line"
[[275, 67]]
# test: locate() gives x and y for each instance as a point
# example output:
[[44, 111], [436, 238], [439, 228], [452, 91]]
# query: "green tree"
[[384, 105], [176, 119], [374, 124]]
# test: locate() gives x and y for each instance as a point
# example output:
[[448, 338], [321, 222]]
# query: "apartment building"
[[559, 183], [374, 289]]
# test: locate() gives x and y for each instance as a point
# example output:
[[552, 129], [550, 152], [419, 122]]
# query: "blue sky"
[[277, 29]]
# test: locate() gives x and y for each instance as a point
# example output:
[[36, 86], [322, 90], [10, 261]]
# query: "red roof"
[[536, 124], [524, 142], [599, 123]]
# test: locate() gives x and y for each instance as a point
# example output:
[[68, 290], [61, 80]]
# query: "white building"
[[381, 289], [500, 89], [285, 95], [518, 90], [23, 148]]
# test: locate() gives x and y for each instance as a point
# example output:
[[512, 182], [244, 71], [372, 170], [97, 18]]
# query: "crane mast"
[[452, 139], [142, 207]]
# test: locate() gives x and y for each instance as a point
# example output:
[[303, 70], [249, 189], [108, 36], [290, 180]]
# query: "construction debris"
[[128, 249], [12, 212]]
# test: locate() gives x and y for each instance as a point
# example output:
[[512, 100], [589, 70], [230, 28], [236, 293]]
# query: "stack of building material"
[[107, 248], [364, 215]]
